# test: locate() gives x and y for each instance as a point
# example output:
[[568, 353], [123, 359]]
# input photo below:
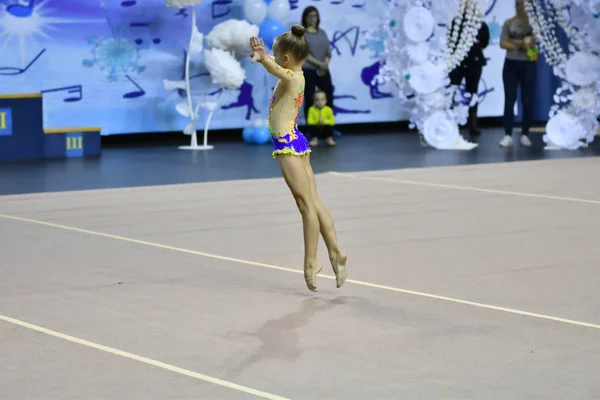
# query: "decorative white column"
[[573, 117], [226, 41], [418, 58]]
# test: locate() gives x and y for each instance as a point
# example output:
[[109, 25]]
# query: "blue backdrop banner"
[[103, 62]]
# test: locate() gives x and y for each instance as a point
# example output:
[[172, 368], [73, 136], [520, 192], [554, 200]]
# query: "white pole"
[[208, 121], [194, 142]]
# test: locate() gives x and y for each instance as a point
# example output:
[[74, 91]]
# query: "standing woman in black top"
[[471, 69], [316, 66]]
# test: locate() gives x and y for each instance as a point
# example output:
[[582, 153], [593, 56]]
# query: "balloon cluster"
[[256, 134], [269, 15]]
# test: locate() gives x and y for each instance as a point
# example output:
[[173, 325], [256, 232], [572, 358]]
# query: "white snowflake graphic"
[[115, 54], [374, 41]]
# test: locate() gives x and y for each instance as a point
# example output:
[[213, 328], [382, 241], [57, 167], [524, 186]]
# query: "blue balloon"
[[262, 135], [248, 134], [269, 30]]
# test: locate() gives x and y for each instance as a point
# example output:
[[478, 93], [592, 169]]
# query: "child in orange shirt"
[[321, 120]]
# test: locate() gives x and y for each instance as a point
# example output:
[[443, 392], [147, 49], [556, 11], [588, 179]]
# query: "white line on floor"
[[468, 188], [145, 360], [259, 264]]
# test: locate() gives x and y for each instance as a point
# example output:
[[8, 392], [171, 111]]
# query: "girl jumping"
[[293, 151]]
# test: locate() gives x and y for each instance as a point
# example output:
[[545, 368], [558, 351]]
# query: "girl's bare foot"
[[310, 275], [314, 142], [330, 141], [338, 262]]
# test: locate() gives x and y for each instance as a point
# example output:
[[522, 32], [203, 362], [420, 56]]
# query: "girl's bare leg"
[[296, 177], [337, 256]]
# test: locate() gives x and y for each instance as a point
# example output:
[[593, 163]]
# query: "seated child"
[[321, 120]]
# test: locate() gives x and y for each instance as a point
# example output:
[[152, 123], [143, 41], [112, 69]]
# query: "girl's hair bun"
[[298, 30]]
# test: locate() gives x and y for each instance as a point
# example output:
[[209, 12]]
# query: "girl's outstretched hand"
[[257, 49]]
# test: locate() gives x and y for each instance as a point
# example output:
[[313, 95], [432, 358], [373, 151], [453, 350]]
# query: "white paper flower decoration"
[[182, 3], [461, 113], [593, 131], [583, 69], [579, 16], [585, 99], [575, 110], [593, 37], [224, 68], [232, 35], [565, 130], [426, 78], [440, 131], [561, 3], [435, 100], [417, 61], [438, 45], [418, 24], [418, 53], [594, 7], [590, 124], [445, 13]]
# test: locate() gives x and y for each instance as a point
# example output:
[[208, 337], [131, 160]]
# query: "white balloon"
[[279, 10], [255, 11]]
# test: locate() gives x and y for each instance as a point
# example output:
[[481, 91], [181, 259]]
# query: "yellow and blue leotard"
[[284, 109]]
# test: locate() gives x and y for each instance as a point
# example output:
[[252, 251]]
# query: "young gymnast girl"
[[293, 151]]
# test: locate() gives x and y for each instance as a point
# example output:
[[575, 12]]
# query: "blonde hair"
[[294, 42]]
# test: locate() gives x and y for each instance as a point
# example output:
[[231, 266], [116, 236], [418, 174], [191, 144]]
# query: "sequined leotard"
[[284, 109]]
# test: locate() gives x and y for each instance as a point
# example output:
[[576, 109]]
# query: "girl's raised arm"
[[258, 53]]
